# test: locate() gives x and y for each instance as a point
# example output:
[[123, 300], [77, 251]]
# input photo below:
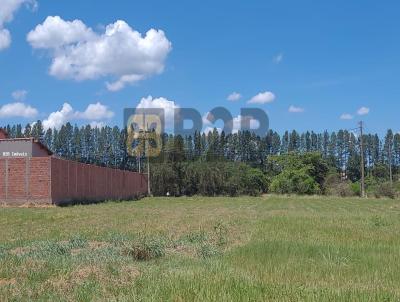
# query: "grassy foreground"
[[203, 249]]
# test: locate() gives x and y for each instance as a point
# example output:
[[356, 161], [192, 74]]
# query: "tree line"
[[241, 153]]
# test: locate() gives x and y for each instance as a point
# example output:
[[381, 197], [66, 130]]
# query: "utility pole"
[[148, 165], [390, 162], [146, 150], [362, 161]]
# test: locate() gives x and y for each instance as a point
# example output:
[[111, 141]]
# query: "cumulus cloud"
[[58, 118], [93, 113], [346, 116], [19, 95], [17, 109], [294, 109], [262, 98], [363, 111], [160, 103], [234, 96], [95, 124], [7, 11], [278, 58], [236, 123], [120, 52]]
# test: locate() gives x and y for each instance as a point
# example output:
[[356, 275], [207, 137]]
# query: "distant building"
[[29, 173]]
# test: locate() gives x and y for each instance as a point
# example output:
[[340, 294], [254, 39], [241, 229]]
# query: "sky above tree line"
[[310, 66]]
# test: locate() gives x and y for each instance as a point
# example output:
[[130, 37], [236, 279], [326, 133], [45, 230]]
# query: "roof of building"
[[3, 133]]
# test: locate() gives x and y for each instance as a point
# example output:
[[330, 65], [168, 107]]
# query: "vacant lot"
[[203, 249]]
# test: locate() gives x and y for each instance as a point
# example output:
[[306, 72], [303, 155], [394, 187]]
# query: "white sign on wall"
[[14, 154]]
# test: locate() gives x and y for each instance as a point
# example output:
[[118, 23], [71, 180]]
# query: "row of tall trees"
[[106, 146]]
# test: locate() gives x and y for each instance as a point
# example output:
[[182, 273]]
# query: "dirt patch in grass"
[[84, 272], [95, 245], [185, 250], [75, 252], [7, 282], [128, 274], [65, 283]]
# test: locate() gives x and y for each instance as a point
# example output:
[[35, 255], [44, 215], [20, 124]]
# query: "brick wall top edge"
[[91, 165]]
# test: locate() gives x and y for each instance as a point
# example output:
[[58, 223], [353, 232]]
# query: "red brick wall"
[[25, 180], [2, 180], [73, 181], [51, 180]]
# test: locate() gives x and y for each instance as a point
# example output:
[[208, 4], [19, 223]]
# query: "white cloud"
[[58, 118], [120, 52], [7, 11], [121, 83], [95, 124], [234, 96], [262, 98], [55, 33], [17, 110], [237, 123], [346, 116], [93, 113], [19, 95], [294, 109], [363, 111], [278, 58], [161, 103]]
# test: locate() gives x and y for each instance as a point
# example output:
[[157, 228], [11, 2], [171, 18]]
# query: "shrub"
[[385, 190], [342, 189], [298, 173], [294, 182], [356, 188], [254, 182], [335, 186]]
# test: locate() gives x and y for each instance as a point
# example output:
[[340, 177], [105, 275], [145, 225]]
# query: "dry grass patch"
[[7, 282]]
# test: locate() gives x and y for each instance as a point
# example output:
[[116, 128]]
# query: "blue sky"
[[325, 61]]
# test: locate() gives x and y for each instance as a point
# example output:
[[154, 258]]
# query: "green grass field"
[[203, 249]]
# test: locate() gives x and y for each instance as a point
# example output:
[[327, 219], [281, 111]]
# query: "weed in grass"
[[335, 256], [46, 249], [207, 250], [3, 252], [77, 242], [379, 221], [221, 232], [145, 248], [117, 239], [196, 237]]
